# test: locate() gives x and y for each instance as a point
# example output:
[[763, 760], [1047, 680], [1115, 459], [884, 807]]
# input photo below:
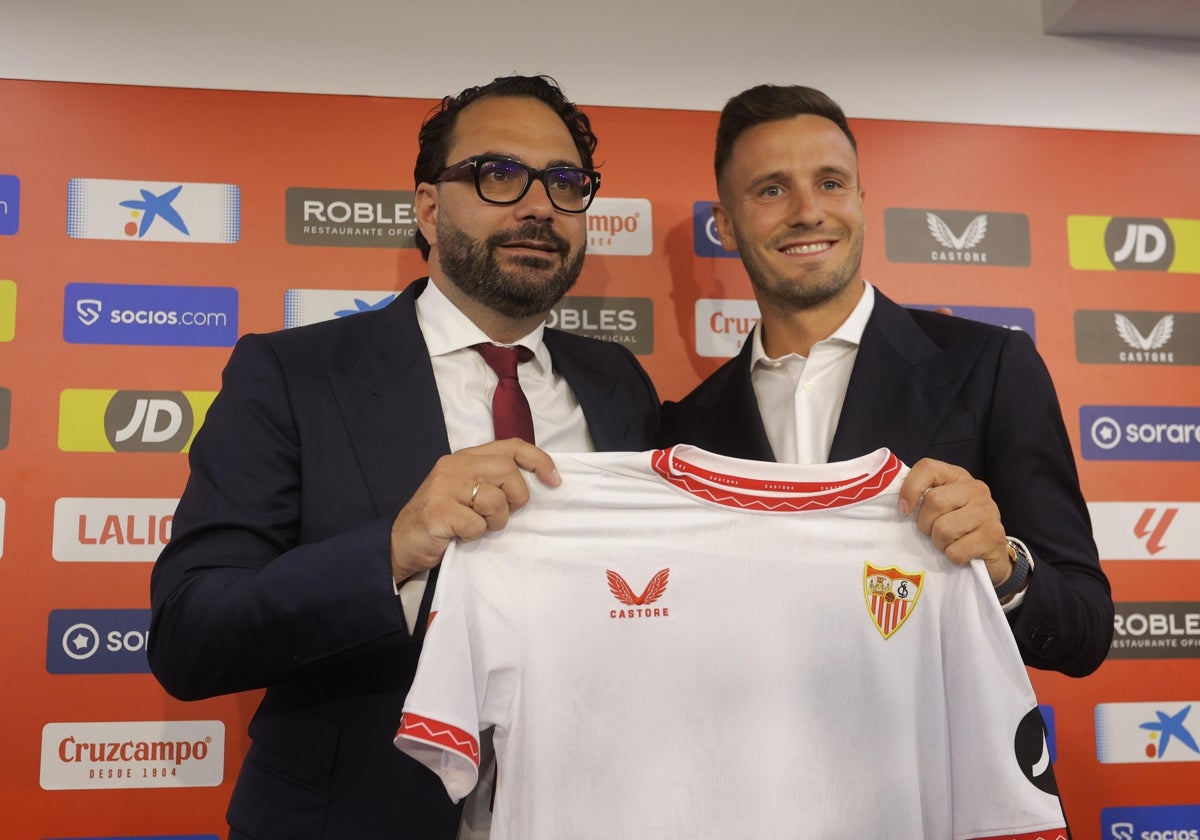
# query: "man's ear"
[[724, 227], [425, 206]]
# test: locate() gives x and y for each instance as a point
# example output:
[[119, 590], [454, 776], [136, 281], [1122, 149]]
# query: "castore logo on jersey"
[[639, 605]]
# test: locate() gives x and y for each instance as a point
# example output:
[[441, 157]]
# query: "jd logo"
[[148, 421], [1139, 244]]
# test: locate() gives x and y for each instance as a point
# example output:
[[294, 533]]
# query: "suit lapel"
[[604, 398], [733, 417], [389, 403], [899, 390]]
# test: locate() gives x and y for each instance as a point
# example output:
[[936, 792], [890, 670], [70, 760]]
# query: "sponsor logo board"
[[107, 313], [1145, 733], [8, 310], [308, 306], [1118, 243], [1009, 317], [625, 321], [1140, 338], [99, 530], [1151, 822], [98, 642], [1156, 630], [956, 236], [620, 227], [153, 211], [723, 325], [1139, 433], [350, 218], [10, 205], [105, 420], [1146, 530], [704, 232], [132, 754]]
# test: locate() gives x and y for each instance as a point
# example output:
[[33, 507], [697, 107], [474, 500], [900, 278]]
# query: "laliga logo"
[[89, 310]]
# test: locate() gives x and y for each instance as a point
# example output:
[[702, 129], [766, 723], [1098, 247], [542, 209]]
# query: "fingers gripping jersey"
[[675, 644]]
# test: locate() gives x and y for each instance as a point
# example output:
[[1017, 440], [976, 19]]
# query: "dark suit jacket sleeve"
[[240, 598], [1066, 620]]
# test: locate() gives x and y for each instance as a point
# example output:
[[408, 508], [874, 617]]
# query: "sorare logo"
[[1119, 243], [153, 211], [98, 642], [165, 316], [1009, 317], [704, 232], [1139, 433], [10, 205], [1151, 822], [103, 420]]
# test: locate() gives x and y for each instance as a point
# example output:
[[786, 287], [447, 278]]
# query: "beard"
[[814, 287], [530, 287]]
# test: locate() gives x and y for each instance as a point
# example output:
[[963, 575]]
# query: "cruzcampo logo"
[[1119, 243], [101, 420]]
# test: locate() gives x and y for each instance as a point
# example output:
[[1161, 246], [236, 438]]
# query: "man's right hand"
[[465, 495]]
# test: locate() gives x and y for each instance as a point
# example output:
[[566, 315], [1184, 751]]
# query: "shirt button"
[[808, 386]]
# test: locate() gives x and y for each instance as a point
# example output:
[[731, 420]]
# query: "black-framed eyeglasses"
[[501, 180]]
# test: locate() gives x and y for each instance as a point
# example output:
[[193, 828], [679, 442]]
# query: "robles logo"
[[627, 321], [350, 218], [132, 754]]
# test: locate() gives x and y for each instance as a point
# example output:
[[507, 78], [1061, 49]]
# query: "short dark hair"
[[436, 135], [767, 103]]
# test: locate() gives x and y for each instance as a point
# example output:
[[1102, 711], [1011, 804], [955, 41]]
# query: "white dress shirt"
[[800, 398]]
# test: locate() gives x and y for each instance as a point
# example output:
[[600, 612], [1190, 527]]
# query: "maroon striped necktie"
[[510, 410]]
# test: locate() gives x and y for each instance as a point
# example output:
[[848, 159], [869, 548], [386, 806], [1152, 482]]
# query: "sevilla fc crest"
[[891, 595]]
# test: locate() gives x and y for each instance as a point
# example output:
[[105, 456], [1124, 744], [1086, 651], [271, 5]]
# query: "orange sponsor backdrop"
[[266, 143]]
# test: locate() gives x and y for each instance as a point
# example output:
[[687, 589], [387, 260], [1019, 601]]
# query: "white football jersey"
[[676, 644]]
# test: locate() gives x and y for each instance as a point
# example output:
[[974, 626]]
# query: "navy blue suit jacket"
[[278, 573], [971, 394]]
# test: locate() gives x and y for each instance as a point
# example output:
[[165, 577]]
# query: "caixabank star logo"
[[1122, 243], [104, 420]]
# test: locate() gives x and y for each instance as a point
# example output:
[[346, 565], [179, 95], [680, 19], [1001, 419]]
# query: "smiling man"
[[835, 370], [323, 491]]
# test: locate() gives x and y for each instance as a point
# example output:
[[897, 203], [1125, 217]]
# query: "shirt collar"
[[447, 329], [850, 332]]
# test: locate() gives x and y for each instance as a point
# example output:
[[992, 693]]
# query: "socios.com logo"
[[10, 205], [704, 232], [96, 420], [1161, 822], [98, 642], [1139, 433], [174, 316]]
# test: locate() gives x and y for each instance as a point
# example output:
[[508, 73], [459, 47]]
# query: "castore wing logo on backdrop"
[[96, 420], [956, 236], [10, 205], [153, 211], [1129, 337], [1121, 243]]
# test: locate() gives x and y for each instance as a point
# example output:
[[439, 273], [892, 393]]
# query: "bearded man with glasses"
[[323, 490]]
